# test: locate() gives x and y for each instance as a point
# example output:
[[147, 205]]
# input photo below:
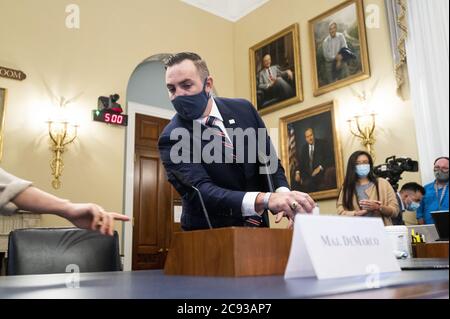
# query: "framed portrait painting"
[[311, 153], [275, 74], [339, 47], [2, 117]]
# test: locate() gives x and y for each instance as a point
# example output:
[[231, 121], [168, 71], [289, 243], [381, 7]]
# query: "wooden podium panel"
[[231, 252], [438, 249]]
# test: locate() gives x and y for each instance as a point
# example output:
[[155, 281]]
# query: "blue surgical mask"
[[413, 206], [362, 170], [191, 107]]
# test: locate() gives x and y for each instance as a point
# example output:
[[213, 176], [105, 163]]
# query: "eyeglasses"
[[437, 168]]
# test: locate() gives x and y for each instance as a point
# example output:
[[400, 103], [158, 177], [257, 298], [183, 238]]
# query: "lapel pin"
[[232, 121]]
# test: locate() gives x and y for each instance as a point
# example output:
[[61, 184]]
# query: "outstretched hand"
[[94, 217], [87, 216]]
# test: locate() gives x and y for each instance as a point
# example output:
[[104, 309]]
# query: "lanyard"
[[442, 195]]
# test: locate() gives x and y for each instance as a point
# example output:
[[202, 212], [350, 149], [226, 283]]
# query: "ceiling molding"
[[232, 10]]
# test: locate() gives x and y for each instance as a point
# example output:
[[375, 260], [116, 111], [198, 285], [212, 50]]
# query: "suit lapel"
[[229, 121], [232, 122]]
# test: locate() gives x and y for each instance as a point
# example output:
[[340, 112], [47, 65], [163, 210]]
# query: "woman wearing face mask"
[[363, 194]]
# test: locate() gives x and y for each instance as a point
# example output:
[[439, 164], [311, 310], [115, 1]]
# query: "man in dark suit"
[[315, 157], [234, 191]]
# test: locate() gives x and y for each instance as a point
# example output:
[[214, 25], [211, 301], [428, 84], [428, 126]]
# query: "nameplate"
[[12, 74], [335, 246]]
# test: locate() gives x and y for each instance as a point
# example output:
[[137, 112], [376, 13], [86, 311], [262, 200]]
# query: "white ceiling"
[[231, 10]]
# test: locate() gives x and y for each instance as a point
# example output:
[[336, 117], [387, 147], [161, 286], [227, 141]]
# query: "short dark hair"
[[439, 158], [199, 63], [414, 187]]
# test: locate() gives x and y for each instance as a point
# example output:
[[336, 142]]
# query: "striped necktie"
[[211, 122]]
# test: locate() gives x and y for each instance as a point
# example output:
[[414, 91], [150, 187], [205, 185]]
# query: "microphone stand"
[[180, 178], [264, 160]]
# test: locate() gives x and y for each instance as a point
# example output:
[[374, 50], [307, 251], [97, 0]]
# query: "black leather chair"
[[61, 250]]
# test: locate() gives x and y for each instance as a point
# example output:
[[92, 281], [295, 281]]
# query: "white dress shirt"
[[215, 112]]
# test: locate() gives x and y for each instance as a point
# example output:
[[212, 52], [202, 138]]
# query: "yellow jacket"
[[389, 204]]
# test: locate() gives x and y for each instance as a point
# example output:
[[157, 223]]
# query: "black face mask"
[[192, 107]]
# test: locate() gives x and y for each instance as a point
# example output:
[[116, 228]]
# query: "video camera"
[[393, 168], [109, 104]]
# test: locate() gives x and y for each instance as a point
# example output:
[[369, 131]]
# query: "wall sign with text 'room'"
[[12, 74], [110, 117]]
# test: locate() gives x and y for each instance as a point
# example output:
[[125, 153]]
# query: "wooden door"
[[152, 207]]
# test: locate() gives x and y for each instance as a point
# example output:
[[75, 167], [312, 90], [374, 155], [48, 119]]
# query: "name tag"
[[332, 247]]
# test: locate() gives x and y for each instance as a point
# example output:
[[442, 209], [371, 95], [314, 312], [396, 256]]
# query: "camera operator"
[[436, 193], [408, 198]]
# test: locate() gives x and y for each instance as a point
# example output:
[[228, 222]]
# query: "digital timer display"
[[110, 117]]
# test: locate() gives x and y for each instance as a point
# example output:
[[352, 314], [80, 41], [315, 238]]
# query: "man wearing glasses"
[[436, 193]]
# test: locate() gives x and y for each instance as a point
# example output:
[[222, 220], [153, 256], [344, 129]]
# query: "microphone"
[[263, 159], [180, 178]]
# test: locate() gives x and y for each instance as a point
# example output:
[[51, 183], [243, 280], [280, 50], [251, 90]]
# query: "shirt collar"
[[401, 201], [214, 112]]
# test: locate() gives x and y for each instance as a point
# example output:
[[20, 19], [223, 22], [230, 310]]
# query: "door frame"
[[127, 231]]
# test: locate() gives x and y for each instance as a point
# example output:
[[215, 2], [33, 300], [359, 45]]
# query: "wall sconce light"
[[60, 137], [61, 132], [363, 127]]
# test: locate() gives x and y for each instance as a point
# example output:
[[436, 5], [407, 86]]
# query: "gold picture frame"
[[279, 84], [3, 93], [325, 157], [339, 47]]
